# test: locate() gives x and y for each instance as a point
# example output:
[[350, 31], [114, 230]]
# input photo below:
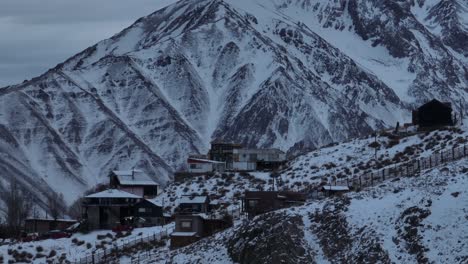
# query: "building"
[[194, 204], [260, 202], [109, 208], [149, 213], [44, 225], [197, 165], [190, 228], [222, 151], [134, 181], [433, 114], [335, 189], [253, 159]]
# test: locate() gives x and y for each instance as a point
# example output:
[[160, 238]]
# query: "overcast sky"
[[36, 35]]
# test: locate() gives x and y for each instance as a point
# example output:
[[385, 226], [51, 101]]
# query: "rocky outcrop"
[[271, 238]]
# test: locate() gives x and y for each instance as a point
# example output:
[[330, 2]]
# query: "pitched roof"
[[133, 177], [153, 202], [193, 199], [112, 193]]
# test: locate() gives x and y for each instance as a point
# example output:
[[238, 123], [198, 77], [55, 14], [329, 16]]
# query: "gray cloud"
[[35, 35]]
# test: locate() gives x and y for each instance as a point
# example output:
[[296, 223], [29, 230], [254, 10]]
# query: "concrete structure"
[[44, 225], [109, 208], [222, 151], [134, 181], [196, 165]]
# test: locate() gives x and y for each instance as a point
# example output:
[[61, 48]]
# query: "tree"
[[18, 204], [75, 210], [56, 205]]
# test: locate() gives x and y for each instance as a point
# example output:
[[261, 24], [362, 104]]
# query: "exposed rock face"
[[271, 238], [263, 73], [339, 243], [409, 223]]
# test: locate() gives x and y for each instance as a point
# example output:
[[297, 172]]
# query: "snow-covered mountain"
[[292, 74]]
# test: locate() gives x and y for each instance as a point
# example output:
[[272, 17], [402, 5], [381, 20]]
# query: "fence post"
[[372, 178], [92, 258]]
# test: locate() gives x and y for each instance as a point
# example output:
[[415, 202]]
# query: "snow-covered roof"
[[204, 161], [184, 234], [336, 188], [154, 202], [112, 193], [193, 199], [133, 177]]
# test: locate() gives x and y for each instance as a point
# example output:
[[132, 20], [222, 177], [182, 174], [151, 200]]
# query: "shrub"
[[88, 245], [52, 253], [39, 249]]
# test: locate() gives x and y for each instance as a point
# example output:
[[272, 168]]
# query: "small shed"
[[433, 114], [335, 189], [190, 228]]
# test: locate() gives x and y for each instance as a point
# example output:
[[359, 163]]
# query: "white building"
[[250, 159], [205, 165]]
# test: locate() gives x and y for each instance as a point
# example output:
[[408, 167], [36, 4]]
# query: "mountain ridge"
[[238, 70]]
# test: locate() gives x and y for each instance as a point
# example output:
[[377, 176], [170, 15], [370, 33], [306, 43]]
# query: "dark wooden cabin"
[[109, 208], [149, 213], [433, 114], [259, 202]]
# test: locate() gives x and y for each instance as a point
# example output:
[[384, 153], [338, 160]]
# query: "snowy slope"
[[291, 74], [414, 220]]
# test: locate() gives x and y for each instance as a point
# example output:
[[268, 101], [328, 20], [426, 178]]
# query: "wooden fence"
[[406, 169], [106, 255]]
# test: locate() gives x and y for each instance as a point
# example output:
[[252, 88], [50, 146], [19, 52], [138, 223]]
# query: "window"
[[142, 210], [253, 203], [193, 166], [186, 224], [253, 157]]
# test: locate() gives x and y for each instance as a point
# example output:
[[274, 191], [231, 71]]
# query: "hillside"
[[294, 75], [412, 220], [403, 219]]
